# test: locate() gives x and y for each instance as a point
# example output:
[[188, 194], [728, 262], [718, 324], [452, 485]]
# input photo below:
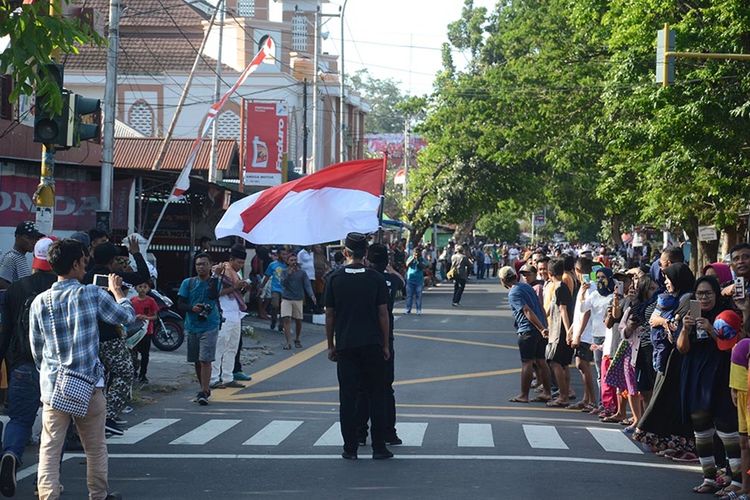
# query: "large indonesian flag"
[[320, 207]]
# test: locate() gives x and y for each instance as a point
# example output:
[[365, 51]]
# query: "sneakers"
[[8, 466], [381, 454], [241, 376], [395, 440], [112, 427], [419, 312], [349, 455], [454, 304], [234, 385], [119, 421], [202, 398], [273, 323], [218, 385]]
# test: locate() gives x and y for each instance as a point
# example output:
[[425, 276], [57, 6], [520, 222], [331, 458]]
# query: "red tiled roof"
[[18, 143], [141, 153], [153, 13]]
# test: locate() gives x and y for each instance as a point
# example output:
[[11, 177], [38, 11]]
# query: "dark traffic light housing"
[[87, 120]]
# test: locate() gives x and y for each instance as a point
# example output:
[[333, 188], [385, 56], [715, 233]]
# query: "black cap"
[[105, 253], [377, 253], [356, 241], [238, 252], [28, 228]]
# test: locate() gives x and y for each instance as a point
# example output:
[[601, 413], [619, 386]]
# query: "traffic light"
[[51, 127], [86, 120]]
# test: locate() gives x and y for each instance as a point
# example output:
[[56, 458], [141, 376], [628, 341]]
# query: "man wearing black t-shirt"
[[377, 256], [559, 350], [357, 330]]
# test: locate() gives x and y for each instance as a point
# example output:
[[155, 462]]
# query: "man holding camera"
[[198, 298]]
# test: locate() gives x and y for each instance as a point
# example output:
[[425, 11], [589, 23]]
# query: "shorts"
[[202, 346], [275, 299], [584, 352], [560, 352], [531, 345], [291, 308], [742, 413]]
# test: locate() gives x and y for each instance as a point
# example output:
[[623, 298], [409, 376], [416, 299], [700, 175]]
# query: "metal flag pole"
[[381, 209]]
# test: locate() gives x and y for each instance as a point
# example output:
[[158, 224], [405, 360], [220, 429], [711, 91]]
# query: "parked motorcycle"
[[169, 333]]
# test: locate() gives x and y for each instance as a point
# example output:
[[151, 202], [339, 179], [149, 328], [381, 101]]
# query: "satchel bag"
[[451, 274], [72, 391]]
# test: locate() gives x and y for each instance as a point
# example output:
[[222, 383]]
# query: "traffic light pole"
[[110, 97]]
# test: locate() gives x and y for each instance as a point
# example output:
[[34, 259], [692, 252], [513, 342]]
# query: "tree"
[[383, 96], [502, 224], [34, 37]]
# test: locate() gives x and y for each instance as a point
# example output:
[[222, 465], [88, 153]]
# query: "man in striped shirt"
[[68, 336], [13, 264]]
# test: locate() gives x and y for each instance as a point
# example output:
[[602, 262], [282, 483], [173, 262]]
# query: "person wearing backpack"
[[15, 348]]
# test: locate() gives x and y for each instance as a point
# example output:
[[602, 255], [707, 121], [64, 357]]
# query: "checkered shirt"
[[77, 308], [14, 266]]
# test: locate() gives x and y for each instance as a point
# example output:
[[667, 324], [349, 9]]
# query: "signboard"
[[266, 142], [539, 220], [76, 202], [707, 233]]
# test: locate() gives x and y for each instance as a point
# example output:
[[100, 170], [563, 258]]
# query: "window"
[[299, 33], [141, 117], [246, 8]]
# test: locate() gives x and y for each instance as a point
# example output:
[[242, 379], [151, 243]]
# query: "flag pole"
[[381, 210]]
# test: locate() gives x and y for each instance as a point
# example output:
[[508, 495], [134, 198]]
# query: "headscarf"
[[723, 272], [682, 278], [608, 288], [720, 303]]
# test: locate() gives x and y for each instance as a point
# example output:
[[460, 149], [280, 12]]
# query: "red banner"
[[266, 142], [75, 206]]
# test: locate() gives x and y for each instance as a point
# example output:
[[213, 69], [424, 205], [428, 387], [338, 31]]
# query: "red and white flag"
[[320, 207], [400, 177], [265, 54]]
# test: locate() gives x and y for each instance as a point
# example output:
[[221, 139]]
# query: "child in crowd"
[[146, 309], [738, 382]]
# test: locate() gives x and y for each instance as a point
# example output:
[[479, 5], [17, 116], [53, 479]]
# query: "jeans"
[[414, 294], [458, 289], [361, 369], [23, 404], [91, 429]]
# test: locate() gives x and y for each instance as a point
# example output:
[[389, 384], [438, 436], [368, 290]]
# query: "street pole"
[[44, 197], [217, 96], [304, 127], [406, 154], [342, 100], [183, 95], [110, 98], [316, 49], [532, 228]]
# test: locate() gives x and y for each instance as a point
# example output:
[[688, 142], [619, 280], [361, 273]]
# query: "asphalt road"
[[455, 370]]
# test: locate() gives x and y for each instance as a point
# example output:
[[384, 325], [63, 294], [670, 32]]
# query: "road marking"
[[544, 437], [274, 433], [475, 435], [417, 330], [206, 432], [142, 431], [692, 469], [411, 433], [457, 341], [331, 437], [614, 440]]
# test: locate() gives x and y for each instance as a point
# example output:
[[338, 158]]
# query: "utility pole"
[[316, 49], [217, 96], [44, 197], [342, 100], [110, 97], [183, 95], [304, 127], [406, 154]]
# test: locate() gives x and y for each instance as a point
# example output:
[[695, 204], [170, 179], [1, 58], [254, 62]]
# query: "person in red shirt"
[[146, 309]]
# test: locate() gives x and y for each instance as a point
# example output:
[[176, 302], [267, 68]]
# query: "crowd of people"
[[669, 350]]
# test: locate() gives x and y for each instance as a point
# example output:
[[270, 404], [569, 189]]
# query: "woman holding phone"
[[706, 397]]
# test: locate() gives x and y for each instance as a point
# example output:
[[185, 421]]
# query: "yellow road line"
[[457, 341]]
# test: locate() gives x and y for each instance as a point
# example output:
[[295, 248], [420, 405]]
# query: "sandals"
[[287, 347], [626, 421], [612, 419], [708, 486], [577, 406], [297, 344], [515, 399], [729, 490], [557, 404], [540, 399]]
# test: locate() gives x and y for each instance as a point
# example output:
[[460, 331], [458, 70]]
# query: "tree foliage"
[[384, 96]]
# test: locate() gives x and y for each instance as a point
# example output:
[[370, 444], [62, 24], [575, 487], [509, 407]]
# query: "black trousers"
[[363, 403], [361, 369], [458, 289], [143, 348]]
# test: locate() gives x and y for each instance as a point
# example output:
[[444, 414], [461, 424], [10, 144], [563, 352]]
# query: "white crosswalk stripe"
[[331, 437], [475, 435], [614, 440], [411, 433], [274, 433], [143, 430], [544, 437], [206, 432]]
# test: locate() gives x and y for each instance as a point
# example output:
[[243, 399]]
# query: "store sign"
[[76, 202], [707, 233], [266, 142]]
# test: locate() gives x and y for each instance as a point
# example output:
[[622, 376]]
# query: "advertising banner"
[[266, 140], [76, 202]]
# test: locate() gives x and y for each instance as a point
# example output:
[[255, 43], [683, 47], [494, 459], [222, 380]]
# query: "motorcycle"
[[169, 333]]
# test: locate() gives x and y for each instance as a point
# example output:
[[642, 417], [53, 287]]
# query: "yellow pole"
[[665, 69]]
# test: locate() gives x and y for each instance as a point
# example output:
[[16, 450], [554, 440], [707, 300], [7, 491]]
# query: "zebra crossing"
[[468, 435]]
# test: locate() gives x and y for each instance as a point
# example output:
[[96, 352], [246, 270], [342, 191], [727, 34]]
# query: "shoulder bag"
[[72, 391]]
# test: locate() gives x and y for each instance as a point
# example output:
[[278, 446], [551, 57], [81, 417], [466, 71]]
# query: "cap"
[[41, 248], [506, 273], [28, 228], [527, 268], [82, 238], [727, 326], [356, 241], [105, 253], [377, 253], [238, 252]]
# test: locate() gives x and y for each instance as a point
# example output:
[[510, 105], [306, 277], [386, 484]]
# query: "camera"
[[205, 311]]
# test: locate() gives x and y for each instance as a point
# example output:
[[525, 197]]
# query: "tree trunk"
[[616, 222], [731, 238], [464, 229], [708, 252], [692, 231]]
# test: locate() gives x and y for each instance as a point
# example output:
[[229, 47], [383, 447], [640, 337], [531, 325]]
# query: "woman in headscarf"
[[706, 398], [722, 272]]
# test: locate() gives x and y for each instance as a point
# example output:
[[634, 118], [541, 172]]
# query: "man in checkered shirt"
[[76, 310]]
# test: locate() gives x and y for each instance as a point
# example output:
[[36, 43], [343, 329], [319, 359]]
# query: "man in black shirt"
[[377, 256], [358, 329]]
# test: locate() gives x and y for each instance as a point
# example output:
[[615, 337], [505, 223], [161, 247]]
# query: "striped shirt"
[[76, 310], [14, 266]]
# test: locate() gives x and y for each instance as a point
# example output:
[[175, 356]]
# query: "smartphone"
[[739, 287], [101, 280], [587, 279], [619, 288], [695, 309]]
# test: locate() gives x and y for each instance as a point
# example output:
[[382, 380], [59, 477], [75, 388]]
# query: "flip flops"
[[516, 400]]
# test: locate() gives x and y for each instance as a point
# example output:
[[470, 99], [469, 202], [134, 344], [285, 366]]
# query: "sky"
[[398, 39]]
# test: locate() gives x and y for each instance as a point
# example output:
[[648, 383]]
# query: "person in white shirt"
[[583, 338], [306, 262]]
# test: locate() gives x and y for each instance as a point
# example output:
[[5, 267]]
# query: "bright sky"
[[397, 39]]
